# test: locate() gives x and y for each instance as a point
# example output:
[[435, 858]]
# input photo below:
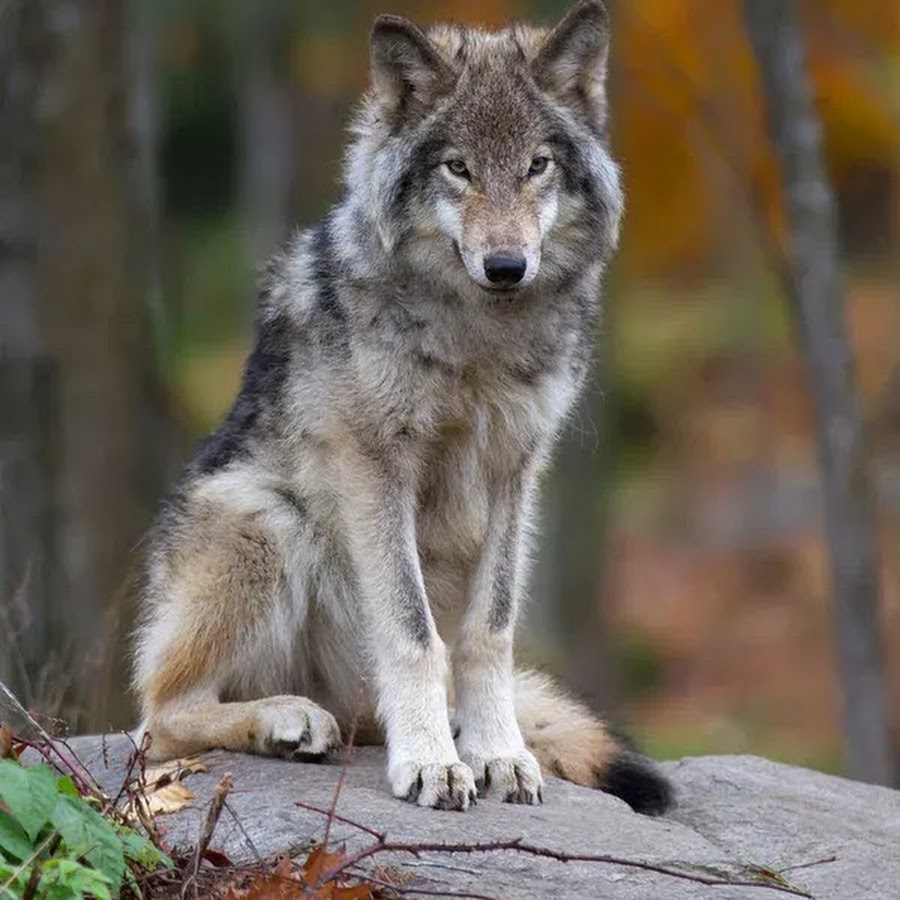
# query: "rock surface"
[[731, 811]]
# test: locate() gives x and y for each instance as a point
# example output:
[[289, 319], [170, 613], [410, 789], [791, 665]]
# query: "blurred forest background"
[[153, 151]]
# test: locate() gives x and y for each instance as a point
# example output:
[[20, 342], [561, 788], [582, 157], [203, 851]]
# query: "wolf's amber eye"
[[538, 166], [458, 168]]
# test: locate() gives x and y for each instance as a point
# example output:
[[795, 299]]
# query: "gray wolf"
[[351, 543]]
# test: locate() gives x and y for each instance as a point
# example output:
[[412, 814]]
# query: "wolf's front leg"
[[408, 657], [489, 738]]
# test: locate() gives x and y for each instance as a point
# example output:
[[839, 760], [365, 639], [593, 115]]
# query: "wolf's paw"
[[295, 728], [438, 785], [516, 778]]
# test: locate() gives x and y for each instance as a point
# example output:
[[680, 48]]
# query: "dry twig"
[[209, 826]]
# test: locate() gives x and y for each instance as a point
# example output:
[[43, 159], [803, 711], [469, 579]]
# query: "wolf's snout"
[[505, 267]]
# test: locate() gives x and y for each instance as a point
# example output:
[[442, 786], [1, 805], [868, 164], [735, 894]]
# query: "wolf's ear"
[[571, 64], [407, 71]]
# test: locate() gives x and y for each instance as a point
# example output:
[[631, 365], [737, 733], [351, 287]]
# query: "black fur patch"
[[414, 178], [293, 499], [432, 363], [637, 781], [576, 173], [502, 600], [325, 273], [264, 376], [415, 615]]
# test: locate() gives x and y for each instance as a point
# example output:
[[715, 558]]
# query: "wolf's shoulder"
[[292, 277]]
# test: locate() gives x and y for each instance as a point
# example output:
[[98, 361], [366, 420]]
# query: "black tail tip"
[[636, 780]]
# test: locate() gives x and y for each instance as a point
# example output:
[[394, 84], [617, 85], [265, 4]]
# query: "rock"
[[731, 811]]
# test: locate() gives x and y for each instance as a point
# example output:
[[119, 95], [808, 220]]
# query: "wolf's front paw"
[[516, 778], [439, 785], [295, 728]]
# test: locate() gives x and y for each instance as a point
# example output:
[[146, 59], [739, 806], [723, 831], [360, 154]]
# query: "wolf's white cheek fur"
[[547, 212], [449, 219]]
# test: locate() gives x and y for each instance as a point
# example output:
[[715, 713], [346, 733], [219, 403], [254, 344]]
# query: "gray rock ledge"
[[731, 810]]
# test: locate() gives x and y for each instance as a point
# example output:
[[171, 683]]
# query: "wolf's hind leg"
[[223, 626], [286, 726]]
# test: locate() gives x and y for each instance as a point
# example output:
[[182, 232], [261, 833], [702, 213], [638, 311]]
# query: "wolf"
[[347, 551]]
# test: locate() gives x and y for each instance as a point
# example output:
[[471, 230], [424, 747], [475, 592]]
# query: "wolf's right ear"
[[407, 71], [572, 63]]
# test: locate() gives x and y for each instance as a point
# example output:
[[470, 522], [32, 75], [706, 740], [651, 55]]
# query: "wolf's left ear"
[[572, 62], [407, 71]]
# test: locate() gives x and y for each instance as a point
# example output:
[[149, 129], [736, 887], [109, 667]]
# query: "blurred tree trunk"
[[75, 290], [268, 137], [24, 377], [267, 142], [815, 291], [572, 574]]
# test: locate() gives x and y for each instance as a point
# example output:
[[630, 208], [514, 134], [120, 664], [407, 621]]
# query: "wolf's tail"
[[572, 743]]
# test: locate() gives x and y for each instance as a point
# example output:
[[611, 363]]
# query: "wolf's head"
[[481, 156]]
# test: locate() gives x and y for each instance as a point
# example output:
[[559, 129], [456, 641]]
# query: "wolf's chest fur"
[[463, 399]]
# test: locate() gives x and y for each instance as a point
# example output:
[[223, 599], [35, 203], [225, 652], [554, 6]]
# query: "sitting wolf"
[[352, 541]]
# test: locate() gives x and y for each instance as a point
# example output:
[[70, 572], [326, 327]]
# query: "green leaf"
[[66, 879], [29, 793], [87, 834], [13, 840], [12, 887], [140, 850], [133, 885], [65, 785]]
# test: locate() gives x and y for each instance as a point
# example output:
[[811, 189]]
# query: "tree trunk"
[[268, 147], [85, 449], [268, 137], [25, 370], [815, 292], [571, 575]]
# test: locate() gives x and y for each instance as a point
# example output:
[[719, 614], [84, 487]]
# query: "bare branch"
[[750, 877]]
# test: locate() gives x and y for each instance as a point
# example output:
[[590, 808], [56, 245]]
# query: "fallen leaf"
[[6, 741], [217, 858], [173, 770], [160, 786], [168, 798], [272, 887], [283, 867], [320, 861]]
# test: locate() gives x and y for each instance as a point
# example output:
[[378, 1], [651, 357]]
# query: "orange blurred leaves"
[[689, 128], [288, 879]]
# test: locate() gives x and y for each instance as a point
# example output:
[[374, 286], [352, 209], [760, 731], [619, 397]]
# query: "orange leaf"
[[283, 868], [272, 887], [320, 861]]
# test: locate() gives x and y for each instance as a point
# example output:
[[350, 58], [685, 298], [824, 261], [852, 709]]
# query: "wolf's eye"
[[458, 168], [538, 166]]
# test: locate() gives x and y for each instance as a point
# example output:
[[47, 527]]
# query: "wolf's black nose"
[[505, 267]]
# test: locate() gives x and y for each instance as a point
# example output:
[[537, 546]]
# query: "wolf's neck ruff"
[[352, 541]]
